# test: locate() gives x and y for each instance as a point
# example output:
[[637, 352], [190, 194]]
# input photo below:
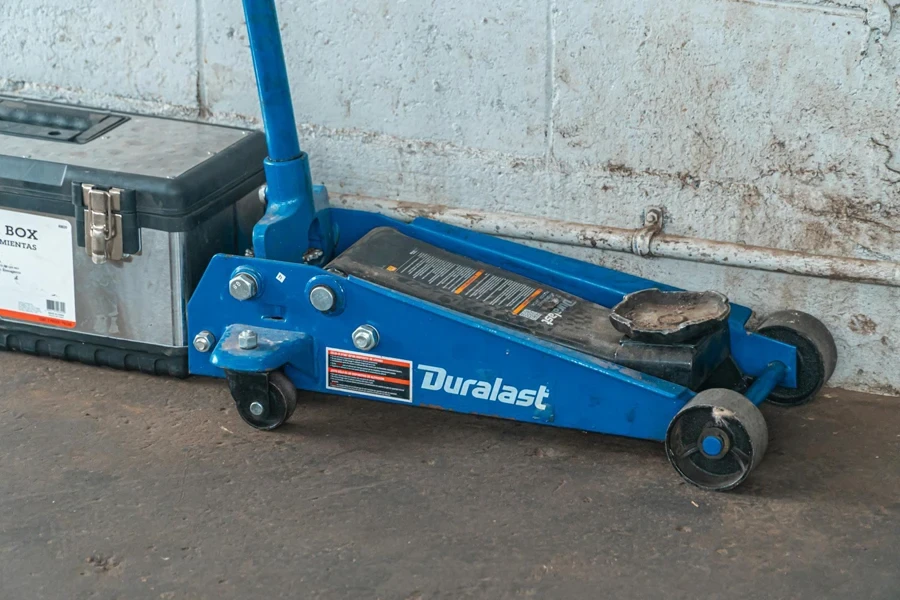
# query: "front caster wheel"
[[816, 354], [263, 400], [717, 439]]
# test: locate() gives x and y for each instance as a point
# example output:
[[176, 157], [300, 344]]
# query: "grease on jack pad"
[[388, 258]]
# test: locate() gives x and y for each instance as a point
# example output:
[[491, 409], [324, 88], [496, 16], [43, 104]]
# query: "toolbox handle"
[[37, 120]]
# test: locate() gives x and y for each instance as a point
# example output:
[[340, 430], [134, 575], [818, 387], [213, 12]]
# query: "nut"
[[248, 340], [365, 337], [204, 341]]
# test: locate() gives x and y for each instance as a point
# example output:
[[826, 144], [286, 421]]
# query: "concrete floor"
[[117, 485]]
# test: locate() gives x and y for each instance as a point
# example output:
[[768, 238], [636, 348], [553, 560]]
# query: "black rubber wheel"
[[282, 401], [717, 439], [816, 354]]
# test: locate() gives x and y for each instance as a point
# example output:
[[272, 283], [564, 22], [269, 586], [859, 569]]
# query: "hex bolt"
[[365, 337], [247, 339], [653, 216], [243, 286], [322, 298], [263, 190], [256, 409], [204, 341]]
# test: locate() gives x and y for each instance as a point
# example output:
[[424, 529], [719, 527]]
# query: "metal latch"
[[102, 223]]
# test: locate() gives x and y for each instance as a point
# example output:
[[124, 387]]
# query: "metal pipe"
[[272, 80], [647, 241], [765, 383]]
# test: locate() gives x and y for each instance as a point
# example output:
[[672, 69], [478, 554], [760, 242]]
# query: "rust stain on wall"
[[862, 324]]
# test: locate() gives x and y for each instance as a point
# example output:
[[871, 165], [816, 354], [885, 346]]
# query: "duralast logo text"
[[436, 379], [18, 237]]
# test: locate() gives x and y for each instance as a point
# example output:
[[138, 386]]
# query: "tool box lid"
[[173, 173]]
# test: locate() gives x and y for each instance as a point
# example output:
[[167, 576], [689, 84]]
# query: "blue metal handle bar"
[[272, 80], [296, 218]]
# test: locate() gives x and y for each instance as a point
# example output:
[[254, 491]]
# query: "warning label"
[[368, 374], [37, 277], [519, 298]]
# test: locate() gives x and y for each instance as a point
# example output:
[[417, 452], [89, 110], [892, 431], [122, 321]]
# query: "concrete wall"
[[767, 122]]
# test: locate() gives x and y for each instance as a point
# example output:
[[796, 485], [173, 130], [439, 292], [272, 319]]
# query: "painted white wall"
[[768, 122]]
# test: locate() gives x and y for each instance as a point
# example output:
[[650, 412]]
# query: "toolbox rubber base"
[[126, 356]]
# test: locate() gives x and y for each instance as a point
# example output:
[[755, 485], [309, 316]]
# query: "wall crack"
[[890, 159], [878, 16], [829, 8], [203, 111], [551, 90]]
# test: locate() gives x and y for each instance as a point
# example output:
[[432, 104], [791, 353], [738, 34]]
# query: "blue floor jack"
[[426, 314]]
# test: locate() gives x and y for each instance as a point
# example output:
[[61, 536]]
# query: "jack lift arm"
[[425, 314]]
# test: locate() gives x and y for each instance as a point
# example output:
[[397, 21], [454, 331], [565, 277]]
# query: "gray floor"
[[117, 485]]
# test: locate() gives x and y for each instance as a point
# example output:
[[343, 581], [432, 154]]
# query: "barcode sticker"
[[531, 314], [55, 306], [37, 274]]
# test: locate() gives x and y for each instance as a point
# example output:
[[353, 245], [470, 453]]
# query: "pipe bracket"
[[653, 224]]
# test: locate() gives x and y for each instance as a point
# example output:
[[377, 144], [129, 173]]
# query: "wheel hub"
[[714, 443]]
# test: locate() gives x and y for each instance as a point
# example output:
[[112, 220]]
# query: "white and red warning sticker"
[[368, 374], [37, 275]]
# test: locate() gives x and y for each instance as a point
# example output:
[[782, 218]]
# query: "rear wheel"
[[816, 354], [717, 439]]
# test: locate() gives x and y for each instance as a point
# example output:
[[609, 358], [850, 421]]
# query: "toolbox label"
[[37, 276], [368, 374]]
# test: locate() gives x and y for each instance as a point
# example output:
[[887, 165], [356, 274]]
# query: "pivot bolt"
[[248, 340], [322, 298], [256, 409], [243, 286], [204, 341], [365, 337]]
